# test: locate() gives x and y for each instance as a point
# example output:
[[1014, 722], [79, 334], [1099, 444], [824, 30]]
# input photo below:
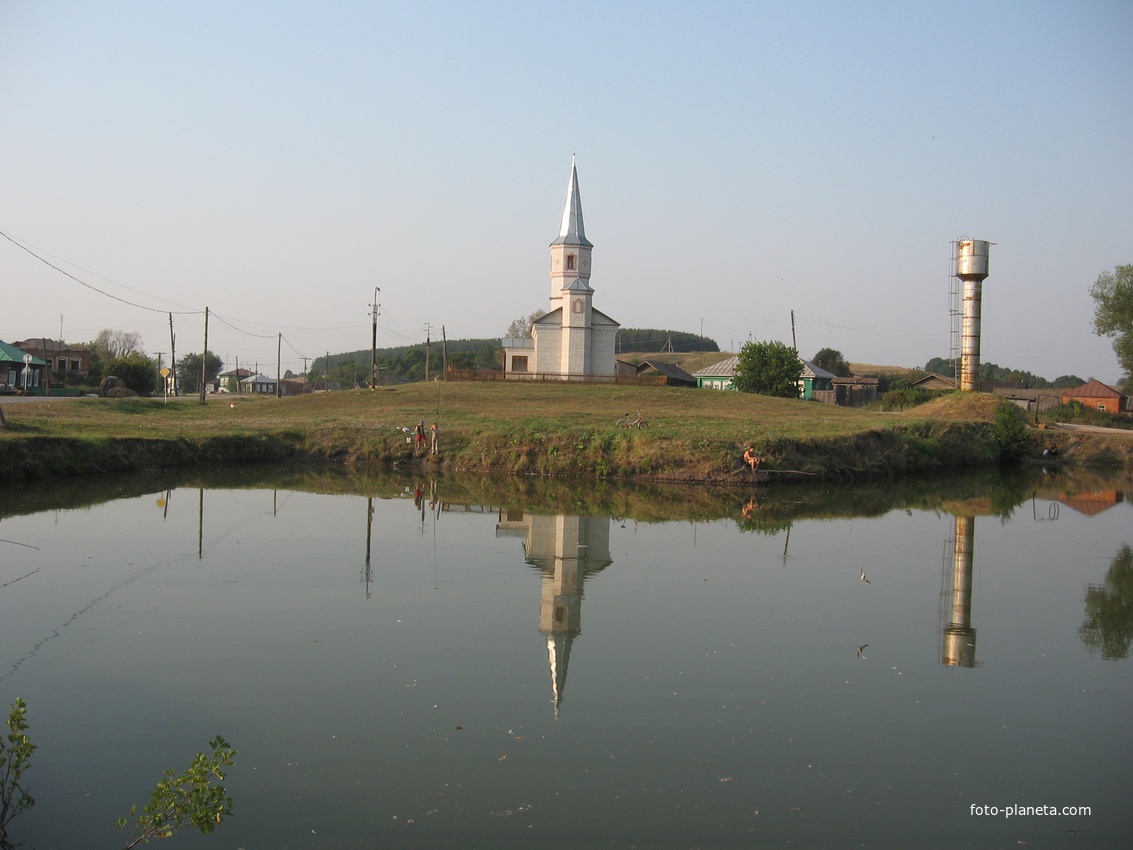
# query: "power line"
[[95, 288]]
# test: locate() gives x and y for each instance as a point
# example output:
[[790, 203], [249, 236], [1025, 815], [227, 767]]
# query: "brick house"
[[1097, 396]]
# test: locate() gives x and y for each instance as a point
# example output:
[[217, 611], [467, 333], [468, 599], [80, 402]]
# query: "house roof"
[[669, 370], [1092, 389], [16, 355], [722, 369], [53, 345], [812, 371], [936, 378]]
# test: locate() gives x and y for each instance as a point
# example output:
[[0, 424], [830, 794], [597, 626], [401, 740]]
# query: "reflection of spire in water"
[[566, 549], [558, 656], [959, 638]]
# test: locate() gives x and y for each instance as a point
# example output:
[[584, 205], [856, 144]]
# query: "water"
[[472, 666]]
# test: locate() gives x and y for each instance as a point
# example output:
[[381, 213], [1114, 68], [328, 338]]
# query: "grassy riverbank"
[[523, 429]]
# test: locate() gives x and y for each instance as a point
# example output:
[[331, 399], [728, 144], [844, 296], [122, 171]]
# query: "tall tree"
[[832, 361], [521, 327], [1113, 312], [768, 368], [189, 371], [114, 345]]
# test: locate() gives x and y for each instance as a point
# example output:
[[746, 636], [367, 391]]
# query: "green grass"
[[550, 429]]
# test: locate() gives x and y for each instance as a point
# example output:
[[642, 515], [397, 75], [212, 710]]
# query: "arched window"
[[570, 262]]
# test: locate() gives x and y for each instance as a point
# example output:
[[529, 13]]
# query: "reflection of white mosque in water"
[[566, 550]]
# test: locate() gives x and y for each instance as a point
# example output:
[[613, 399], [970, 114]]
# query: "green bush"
[[900, 399], [1009, 433], [137, 370]]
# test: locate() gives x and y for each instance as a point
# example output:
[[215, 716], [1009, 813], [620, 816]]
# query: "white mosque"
[[573, 341]]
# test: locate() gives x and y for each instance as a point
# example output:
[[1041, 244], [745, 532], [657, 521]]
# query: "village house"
[[718, 376], [936, 382], [58, 356], [814, 382], [1097, 396], [668, 374], [20, 370], [258, 385]]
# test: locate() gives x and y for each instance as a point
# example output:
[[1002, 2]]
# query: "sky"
[[280, 163]]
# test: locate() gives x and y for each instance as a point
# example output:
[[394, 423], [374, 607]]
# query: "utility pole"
[[205, 356], [172, 354], [794, 342], [428, 331], [374, 342], [444, 354], [278, 360]]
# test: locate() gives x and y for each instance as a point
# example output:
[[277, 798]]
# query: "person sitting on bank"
[[751, 458]]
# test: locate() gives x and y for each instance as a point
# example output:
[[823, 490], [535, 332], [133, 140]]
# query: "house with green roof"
[[19, 370]]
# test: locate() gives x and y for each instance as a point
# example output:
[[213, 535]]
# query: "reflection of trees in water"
[[1108, 628]]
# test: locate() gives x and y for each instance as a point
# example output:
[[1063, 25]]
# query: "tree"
[[1108, 628], [832, 361], [768, 368], [189, 371], [113, 345], [1113, 312], [521, 327], [138, 371]]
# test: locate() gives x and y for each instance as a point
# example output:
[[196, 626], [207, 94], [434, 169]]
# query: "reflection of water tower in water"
[[971, 269], [958, 641]]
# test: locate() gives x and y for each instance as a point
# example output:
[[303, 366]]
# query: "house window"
[[62, 364], [75, 366], [519, 364], [1101, 406], [570, 262]]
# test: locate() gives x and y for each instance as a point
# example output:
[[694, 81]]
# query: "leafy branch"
[[15, 757], [194, 798]]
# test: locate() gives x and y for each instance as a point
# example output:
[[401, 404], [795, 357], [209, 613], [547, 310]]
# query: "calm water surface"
[[411, 671]]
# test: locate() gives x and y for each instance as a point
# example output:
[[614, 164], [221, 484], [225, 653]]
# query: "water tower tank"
[[971, 258]]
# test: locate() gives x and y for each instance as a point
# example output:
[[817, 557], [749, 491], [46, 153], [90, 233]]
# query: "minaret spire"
[[572, 231]]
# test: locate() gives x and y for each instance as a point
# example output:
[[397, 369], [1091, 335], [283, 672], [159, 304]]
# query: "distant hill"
[[632, 340]]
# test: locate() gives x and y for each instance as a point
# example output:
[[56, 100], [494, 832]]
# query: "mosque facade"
[[573, 341]]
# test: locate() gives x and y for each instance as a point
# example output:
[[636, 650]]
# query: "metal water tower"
[[971, 268]]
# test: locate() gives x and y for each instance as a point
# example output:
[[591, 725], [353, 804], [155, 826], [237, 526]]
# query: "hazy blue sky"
[[275, 161]]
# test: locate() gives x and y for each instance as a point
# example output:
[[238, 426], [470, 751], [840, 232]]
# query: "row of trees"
[[120, 353], [990, 372]]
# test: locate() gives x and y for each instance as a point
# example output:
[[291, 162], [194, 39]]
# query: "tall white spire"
[[572, 231]]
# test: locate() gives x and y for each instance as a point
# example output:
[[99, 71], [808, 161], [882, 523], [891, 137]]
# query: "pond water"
[[433, 664]]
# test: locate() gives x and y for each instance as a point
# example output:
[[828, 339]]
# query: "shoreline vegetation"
[[528, 429]]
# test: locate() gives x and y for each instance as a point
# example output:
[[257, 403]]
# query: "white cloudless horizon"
[[275, 162]]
